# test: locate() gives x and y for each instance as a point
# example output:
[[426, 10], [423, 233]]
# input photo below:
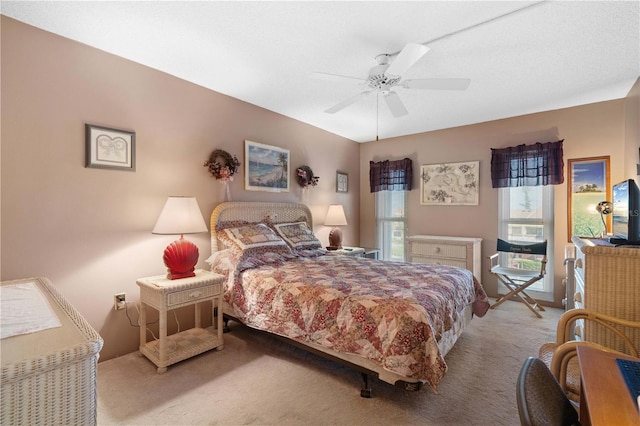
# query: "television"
[[626, 213]]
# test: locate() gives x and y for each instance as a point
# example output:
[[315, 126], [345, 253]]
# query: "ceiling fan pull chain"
[[377, 113]]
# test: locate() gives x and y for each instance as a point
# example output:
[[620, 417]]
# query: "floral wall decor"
[[306, 177], [222, 165], [452, 184]]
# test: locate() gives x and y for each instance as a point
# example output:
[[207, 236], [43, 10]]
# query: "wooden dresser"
[[453, 251], [607, 280]]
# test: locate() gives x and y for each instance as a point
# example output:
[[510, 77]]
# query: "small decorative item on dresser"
[[305, 177]]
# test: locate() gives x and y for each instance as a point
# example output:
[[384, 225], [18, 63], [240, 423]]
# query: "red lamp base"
[[180, 258]]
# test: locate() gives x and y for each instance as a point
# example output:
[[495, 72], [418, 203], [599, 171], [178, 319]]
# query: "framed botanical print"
[[449, 184], [266, 167], [588, 183]]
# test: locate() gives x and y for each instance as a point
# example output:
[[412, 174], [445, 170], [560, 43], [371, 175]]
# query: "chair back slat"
[[522, 247]]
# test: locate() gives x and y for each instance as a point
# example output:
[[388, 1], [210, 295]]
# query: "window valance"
[[527, 165], [391, 175]]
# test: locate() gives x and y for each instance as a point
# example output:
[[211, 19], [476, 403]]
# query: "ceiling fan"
[[384, 76]]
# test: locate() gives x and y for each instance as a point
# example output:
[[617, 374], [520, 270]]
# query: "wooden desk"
[[604, 396]]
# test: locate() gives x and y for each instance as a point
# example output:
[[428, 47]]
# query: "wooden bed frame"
[[257, 212]]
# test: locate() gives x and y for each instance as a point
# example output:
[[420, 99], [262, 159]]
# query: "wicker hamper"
[[49, 376]]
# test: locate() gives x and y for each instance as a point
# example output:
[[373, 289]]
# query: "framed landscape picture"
[[587, 184], [266, 167]]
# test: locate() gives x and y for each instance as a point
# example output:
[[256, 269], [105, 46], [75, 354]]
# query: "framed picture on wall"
[[342, 182], [107, 148], [266, 167], [588, 183], [450, 184]]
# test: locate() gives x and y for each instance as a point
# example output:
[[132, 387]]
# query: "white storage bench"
[[49, 376]]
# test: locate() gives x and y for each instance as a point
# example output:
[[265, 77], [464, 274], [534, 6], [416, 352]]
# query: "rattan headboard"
[[257, 212]]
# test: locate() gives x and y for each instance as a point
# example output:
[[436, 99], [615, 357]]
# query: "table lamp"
[[180, 215], [335, 217]]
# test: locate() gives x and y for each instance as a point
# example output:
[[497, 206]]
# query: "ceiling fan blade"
[[408, 56], [437, 83], [335, 77], [347, 102], [395, 104]]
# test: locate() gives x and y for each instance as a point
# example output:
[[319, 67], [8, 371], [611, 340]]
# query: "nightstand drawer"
[[193, 295], [439, 250]]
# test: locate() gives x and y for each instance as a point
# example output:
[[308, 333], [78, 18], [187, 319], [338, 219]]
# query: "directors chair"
[[521, 272]]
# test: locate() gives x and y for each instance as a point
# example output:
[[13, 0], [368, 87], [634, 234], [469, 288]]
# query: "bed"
[[390, 320]]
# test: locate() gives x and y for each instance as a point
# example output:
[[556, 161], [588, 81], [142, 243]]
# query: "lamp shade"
[[180, 215], [335, 216]]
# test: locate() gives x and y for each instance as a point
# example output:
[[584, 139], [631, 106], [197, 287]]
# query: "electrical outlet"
[[119, 301]]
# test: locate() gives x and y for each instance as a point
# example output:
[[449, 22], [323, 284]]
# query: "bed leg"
[[365, 392], [225, 324]]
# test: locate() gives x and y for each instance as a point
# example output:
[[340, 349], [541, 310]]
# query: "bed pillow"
[[223, 261], [255, 245], [300, 238]]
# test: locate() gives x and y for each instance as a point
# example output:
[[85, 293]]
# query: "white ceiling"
[[521, 57]]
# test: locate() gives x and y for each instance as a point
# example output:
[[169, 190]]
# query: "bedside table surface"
[[161, 284], [350, 251]]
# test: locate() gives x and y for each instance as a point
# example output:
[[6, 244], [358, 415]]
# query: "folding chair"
[[517, 279]]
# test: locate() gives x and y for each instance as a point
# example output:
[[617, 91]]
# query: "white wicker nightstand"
[[164, 295]]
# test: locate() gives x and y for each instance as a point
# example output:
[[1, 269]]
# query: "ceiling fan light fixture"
[[386, 75]]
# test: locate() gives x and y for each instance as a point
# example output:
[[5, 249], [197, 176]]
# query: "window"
[[526, 214], [391, 224]]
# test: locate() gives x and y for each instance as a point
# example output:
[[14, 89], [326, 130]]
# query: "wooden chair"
[[561, 356], [518, 279], [540, 399]]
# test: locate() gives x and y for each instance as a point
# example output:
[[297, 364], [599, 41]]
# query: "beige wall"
[[89, 230], [632, 132], [588, 131]]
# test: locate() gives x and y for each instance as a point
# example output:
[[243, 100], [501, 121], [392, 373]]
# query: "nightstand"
[[164, 295], [351, 251], [371, 253]]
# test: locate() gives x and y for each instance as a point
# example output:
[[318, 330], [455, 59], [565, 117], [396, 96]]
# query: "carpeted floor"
[[258, 380]]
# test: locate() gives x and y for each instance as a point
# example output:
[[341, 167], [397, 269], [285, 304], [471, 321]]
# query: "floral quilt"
[[391, 313]]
